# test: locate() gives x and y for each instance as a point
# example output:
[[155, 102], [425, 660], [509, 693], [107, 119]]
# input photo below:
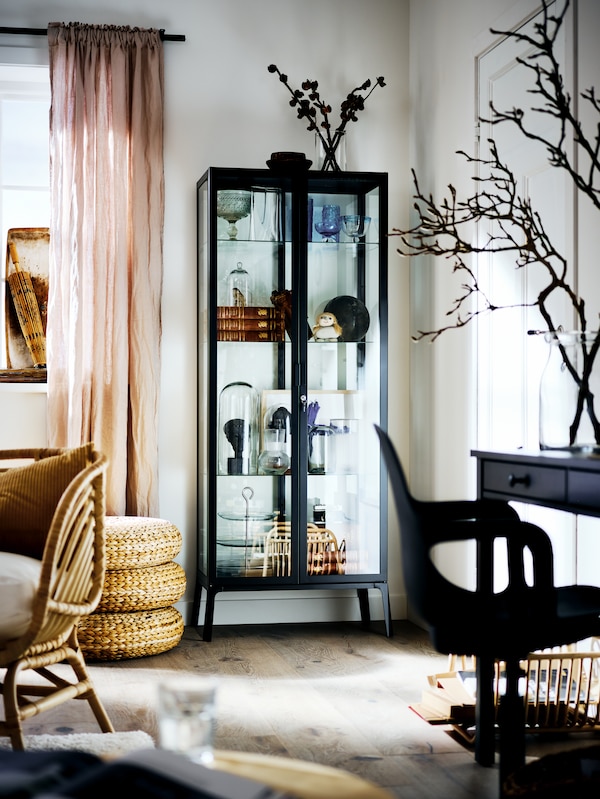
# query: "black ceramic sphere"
[[352, 317]]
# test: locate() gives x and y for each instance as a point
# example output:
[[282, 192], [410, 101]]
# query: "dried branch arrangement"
[[445, 228], [310, 105]]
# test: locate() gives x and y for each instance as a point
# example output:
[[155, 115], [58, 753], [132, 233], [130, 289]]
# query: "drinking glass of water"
[[187, 718]]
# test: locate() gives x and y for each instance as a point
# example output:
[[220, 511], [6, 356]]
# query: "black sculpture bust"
[[236, 432]]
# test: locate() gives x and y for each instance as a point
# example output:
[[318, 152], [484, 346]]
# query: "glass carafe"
[[273, 459]]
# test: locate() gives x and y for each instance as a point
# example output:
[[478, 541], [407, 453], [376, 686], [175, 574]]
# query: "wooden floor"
[[334, 694]]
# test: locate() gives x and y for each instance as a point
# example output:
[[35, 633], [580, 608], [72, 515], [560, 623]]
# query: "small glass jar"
[[320, 451], [238, 429], [273, 459]]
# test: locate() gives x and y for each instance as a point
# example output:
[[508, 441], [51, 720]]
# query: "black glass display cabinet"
[[292, 341]]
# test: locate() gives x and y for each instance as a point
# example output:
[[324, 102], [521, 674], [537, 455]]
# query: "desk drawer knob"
[[513, 480]]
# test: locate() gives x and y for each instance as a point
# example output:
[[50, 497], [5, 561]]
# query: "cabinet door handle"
[[513, 480]]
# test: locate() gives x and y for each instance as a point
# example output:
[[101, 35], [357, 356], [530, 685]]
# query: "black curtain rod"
[[165, 37]]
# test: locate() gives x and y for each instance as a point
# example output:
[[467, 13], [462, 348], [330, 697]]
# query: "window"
[[24, 156]]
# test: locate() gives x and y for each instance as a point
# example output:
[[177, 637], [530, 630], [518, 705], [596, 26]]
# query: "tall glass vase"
[[569, 386], [328, 160]]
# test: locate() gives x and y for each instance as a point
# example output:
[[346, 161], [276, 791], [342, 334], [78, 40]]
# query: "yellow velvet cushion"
[[29, 496]]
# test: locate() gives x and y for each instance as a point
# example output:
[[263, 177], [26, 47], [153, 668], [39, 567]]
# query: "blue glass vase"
[[331, 223]]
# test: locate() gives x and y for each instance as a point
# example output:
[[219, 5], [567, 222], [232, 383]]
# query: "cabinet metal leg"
[[197, 601], [363, 602], [209, 614], [365, 612], [387, 611], [209, 611]]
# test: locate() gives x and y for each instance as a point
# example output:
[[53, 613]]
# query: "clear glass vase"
[[568, 388], [320, 450], [331, 161]]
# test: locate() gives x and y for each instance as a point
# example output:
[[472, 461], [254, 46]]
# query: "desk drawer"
[[522, 480], [584, 490]]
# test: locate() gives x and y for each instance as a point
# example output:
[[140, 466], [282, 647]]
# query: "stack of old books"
[[249, 323]]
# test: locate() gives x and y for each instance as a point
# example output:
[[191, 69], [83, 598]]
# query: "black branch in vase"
[[309, 105]]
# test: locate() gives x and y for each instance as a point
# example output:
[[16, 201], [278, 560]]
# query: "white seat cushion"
[[19, 580]]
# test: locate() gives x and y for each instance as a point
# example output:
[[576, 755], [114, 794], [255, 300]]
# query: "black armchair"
[[526, 615]]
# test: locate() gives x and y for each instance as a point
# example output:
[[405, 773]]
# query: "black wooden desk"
[[550, 478]]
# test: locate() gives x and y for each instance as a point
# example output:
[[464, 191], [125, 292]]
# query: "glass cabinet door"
[[344, 377], [251, 375]]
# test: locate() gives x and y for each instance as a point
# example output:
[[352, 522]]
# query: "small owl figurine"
[[327, 328]]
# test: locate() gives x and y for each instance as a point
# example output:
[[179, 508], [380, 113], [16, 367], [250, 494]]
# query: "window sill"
[[23, 375]]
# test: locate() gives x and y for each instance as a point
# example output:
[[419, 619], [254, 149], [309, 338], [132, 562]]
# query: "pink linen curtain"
[[106, 232]]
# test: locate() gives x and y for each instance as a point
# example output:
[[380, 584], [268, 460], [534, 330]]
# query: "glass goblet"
[[330, 224], [355, 226], [233, 206]]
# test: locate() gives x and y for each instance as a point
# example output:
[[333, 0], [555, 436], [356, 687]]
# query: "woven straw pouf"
[[118, 636], [135, 616]]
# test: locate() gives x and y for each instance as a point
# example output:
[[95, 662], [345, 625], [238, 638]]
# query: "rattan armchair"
[[278, 551], [70, 583], [324, 556]]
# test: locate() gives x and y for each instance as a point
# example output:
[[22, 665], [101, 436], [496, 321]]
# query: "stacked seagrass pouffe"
[[136, 616]]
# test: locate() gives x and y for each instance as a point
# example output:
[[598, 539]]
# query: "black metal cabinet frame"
[[304, 373]]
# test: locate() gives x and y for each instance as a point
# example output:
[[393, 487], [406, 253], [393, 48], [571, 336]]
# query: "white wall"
[[442, 114], [442, 120], [224, 109]]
